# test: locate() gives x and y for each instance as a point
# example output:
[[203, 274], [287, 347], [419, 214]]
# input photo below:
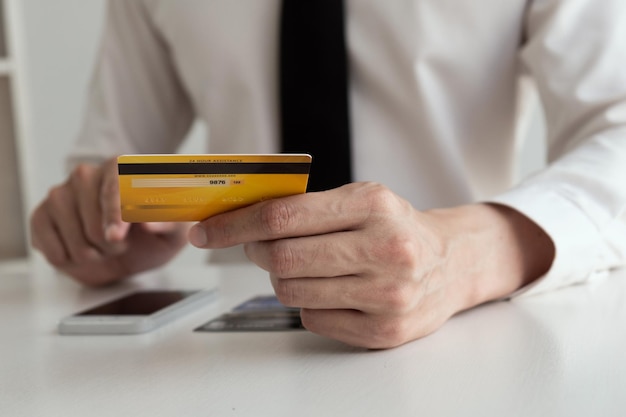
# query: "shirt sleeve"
[[136, 102], [575, 51]]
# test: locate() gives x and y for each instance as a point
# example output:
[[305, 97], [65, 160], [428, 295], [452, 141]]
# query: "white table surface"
[[560, 354]]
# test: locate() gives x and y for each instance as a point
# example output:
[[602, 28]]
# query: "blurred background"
[[47, 51]]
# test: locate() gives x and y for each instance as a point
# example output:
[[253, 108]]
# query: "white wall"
[[59, 44]]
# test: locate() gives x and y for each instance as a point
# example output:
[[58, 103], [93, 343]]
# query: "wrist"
[[492, 250]]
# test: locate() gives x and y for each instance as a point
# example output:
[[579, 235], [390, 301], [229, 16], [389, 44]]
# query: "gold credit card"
[[181, 188]]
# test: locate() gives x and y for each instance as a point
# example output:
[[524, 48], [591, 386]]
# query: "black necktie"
[[314, 89]]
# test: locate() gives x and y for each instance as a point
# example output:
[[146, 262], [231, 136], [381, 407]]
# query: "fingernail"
[[110, 232], [197, 236]]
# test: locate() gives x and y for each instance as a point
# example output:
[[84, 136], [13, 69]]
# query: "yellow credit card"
[[181, 188]]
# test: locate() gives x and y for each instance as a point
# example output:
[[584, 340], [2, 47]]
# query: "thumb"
[[115, 229]]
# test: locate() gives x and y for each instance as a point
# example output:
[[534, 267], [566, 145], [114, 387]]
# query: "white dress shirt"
[[437, 87]]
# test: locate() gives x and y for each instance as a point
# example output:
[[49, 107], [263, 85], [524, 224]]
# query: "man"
[[434, 98]]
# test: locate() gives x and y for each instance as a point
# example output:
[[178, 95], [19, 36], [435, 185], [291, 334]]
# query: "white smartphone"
[[138, 312]]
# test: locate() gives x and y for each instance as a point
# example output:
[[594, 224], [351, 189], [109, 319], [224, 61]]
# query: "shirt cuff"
[[576, 239]]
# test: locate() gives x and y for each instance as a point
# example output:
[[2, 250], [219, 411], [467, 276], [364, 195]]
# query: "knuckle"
[[222, 232], [397, 299], [309, 321], [276, 217], [55, 256], [399, 250], [381, 199], [389, 333], [403, 251], [81, 174], [286, 293], [77, 254], [57, 196], [109, 188], [94, 233], [282, 259]]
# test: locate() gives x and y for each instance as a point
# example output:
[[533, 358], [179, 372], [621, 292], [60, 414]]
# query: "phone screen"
[[138, 304]]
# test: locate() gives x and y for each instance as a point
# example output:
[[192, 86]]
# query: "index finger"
[[294, 216], [114, 228]]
